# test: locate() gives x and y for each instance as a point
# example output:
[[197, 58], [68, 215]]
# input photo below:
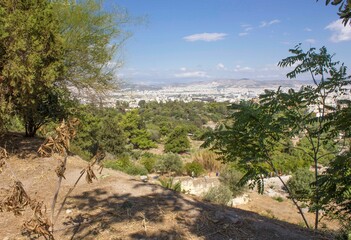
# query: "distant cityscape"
[[224, 90]]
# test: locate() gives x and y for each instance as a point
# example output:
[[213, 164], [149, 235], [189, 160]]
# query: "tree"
[[344, 9], [134, 128], [255, 131], [51, 47], [177, 141], [31, 59]]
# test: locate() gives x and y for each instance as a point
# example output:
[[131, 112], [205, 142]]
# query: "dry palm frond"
[[16, 201], [60, 170], [2, 164], [60, 143], [39, 224], [3, 153], [90, 174]]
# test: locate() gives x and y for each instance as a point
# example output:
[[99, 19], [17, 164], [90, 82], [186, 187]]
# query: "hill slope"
[[118, 206]]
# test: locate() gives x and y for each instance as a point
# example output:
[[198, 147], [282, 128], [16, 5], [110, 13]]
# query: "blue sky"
[[190, 40]]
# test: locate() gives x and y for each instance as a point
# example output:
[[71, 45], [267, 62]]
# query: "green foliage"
[[177, 141], [31, 59], [191, 116], [336, 189], [300, 185], [124, 164], [149, 161], [48, 47], [219, 195], [169, 163], [134, 128], [278, 199], [170, 184], [194, 169], [257, 135], [91, 38], [231, 177], [344, 9]]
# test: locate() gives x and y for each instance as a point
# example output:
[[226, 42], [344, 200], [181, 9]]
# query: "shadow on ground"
[[99, 214]]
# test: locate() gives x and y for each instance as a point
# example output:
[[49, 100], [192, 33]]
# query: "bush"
[[149, 161], [219, 195], [230, 177], [300, 184], [194, 169], [124, 164], [170, 184], [169, 163], [208, 160]]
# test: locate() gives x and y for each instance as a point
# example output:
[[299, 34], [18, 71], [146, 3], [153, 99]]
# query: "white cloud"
[[183, 69], [239, 68], [267, 24], [310, 40], [195, 74], [220, 66], [207, 37], [243, 34], [308, 29], [340, 32]]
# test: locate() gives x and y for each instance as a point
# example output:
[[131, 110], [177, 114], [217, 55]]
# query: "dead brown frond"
[[60, 143], [60, 170], [39, 224], [16, 201], [90, 175], [3, 155]]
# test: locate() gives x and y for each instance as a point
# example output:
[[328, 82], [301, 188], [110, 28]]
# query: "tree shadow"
[[167, 215]]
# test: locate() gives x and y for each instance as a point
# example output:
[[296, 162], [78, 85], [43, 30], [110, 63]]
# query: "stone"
[[143, 178]]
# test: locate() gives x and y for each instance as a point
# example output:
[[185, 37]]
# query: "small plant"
[[124, 164], [278, 198], [219, 195], [149, 161], [194, 169], [170, 184], [231, 177]]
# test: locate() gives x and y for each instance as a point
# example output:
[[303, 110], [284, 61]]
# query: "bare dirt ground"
[[118, 206]]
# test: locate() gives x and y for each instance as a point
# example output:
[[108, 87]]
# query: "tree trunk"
[[31, 127]]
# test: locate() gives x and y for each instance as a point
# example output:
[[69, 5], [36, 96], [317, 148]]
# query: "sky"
[[204, 40]]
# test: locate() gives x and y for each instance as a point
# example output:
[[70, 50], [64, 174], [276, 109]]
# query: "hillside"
[[118, 206]]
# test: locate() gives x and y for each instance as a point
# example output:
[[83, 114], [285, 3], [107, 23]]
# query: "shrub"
[[170, 184], [149, 162], [230, 177], [278, 198], [300, 184], [219, 195], [124, 164], [208, 160], [194, 169], [169, 163]]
